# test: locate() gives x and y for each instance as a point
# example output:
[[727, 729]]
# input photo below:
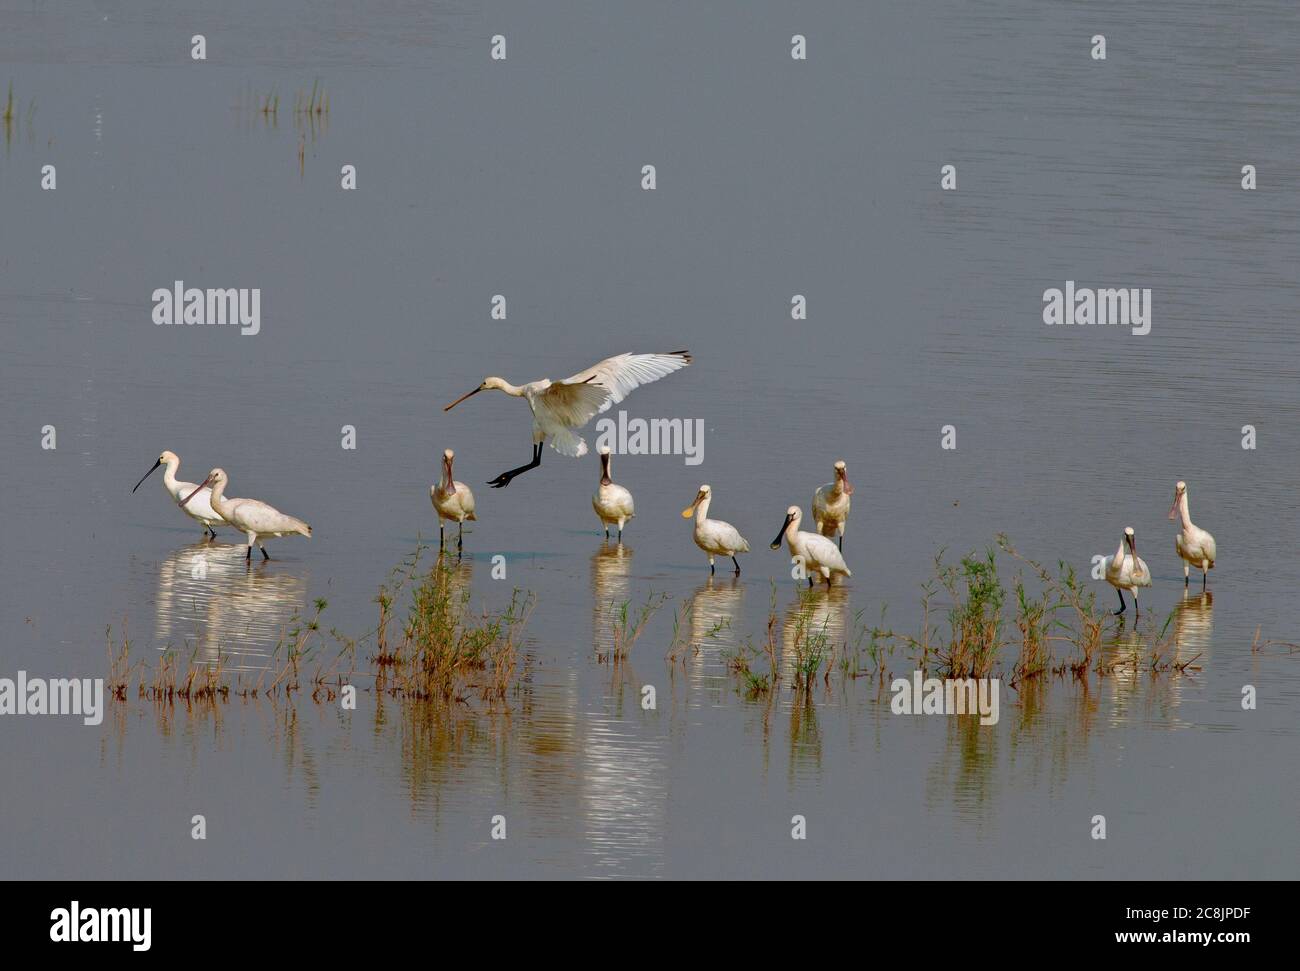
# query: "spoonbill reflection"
[[830, 504], [453, 501], [1127, 571], [561, 407], [251, 516], [1194, 545], [713, 535], [817, 553], [200, 508], [612, 502]]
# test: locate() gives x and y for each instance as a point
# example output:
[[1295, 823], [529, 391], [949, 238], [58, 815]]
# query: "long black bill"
[[202, 485], [776, 543], [462, 398], [147, 474]]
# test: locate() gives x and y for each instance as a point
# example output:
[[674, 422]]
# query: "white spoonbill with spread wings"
[[200, 508], [250, 516], [561, 407], [1127, 571], [818, 553], [1194, 545]]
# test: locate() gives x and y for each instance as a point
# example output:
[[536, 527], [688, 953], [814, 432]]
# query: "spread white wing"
[[623, 373]]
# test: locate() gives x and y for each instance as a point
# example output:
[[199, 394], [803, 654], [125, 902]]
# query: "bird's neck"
[[513, 390], [218, 499], [1119, 553], [702, 512], [169, 475], [1184, 512]]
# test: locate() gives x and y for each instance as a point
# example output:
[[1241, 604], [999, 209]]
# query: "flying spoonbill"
[[830, 504], [613, 503], [201, 508], [817, 553], [250, 516], [1193, 544], [561, 407], [713, 535], [453, 500], [1127, 571]]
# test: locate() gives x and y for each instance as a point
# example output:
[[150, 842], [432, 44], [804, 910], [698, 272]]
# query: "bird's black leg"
[[841, 542], [1205, 575], [1122, 605], [248, 555], [620, 534], [733, 560], [810, 580], [503, 480], [460, 537], [265, 554], [710, 568], [606, 530], [442, 537]]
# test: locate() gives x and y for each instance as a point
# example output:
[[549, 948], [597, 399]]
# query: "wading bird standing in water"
[[817, 553], [255, 518], [613, 503], [830, 505], [200, 508], [1127, 571], [1194, 545], [453, 501], [713, 535], [561, 407]]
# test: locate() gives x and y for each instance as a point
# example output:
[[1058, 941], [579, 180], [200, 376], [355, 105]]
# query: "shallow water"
[[775, 178]]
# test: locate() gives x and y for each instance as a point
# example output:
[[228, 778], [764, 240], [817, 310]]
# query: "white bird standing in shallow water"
[[250, 516], [200, 508], [817, 553], [613, 503], [561, 407], [830, 504], [1194, 545], [1127, 571], [453, 501], [713, 535]]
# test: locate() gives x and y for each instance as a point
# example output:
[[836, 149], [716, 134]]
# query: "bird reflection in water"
[[212, 604]]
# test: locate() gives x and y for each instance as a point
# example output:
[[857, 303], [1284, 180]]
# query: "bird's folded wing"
[[574, 403], [624, 372]]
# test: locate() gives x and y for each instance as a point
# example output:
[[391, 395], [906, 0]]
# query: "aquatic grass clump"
[[627, 625], [446, 650]]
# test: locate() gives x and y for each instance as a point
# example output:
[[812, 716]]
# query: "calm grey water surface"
[[775, 177]]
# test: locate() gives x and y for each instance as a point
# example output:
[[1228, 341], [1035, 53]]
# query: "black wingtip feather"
[[685, 354]]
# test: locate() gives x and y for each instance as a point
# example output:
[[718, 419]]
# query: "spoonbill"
[[201, 508], [1194, 545], [817, 553], [612, 502], [453, 500], [1127, 571], [830, 504], [713, 535], [250, 516], [561, 407]]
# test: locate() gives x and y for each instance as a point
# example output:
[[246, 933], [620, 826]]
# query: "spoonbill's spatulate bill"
[[561, 407], [200, 507], [713, 535], [830, 504], [1127, 571], [255, 518], [817, 553], [1194, 545], [453, 501], [612, 502]]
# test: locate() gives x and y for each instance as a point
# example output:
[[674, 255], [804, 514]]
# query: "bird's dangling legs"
[[1122, 605], [503, 480], [734, 560]]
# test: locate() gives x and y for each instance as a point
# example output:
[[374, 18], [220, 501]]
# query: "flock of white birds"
[[560, 409]]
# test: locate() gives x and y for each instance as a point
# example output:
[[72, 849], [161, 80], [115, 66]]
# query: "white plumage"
[[818, 554], [200, 507], [713, 535], [253, 517], [1194, 545], [612, 502], [561, 407], [1127, 570], [830, 504], [453, 501]]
